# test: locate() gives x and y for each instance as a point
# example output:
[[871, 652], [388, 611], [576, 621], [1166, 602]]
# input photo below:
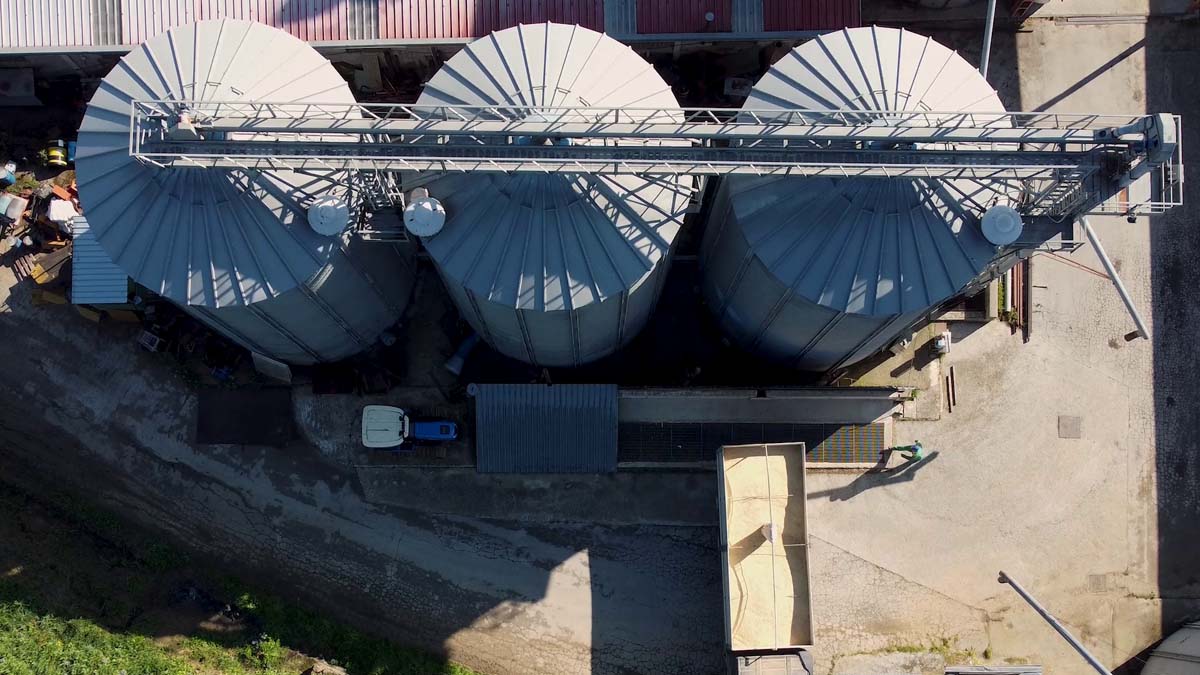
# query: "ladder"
[[383, 201]]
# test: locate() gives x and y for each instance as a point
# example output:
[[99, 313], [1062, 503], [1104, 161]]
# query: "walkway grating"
[[678, 442]]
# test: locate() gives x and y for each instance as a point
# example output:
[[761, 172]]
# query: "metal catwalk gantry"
[[1052, 168], [1053, 165]]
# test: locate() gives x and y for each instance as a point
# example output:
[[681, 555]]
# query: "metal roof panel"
[[804, 15], [533, 428], [95, 278], [425, 19]]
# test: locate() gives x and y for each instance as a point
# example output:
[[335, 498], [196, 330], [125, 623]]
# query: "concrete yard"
[[622, 574]]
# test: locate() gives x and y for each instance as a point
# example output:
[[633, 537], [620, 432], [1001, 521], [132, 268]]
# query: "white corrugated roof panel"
[[48, 23], [95, 278]]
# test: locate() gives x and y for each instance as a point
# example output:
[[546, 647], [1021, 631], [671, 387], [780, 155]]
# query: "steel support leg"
[[1116, 279], [989, 24], [1005, 579]]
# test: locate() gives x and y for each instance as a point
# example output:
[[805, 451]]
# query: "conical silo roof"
[[206, 237], [870, 246], [558, 241]]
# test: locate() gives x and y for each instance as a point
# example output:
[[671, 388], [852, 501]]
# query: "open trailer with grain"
[[764, 545]]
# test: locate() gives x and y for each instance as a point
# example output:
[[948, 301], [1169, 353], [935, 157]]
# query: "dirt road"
[[83, 405]]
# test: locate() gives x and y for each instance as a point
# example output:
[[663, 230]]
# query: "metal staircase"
[[383, 202]]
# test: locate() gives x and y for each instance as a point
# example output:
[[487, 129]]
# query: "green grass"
[[37, 644], [112, 573], [358, 653], [32, 643], [211, 656]]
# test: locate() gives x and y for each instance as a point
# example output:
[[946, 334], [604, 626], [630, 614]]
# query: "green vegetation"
[[82, 592], [24, 181], [949, 652], [943, 647], [32, 643], [357, 652]]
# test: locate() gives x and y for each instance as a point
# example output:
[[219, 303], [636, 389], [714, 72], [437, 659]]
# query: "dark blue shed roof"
[[534, 428]]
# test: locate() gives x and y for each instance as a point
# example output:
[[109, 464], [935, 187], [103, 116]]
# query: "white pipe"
[[1008, 290], [1058, 627], [987, 38], [1115, 278]]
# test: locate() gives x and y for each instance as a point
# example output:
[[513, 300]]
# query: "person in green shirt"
[[912, 453]]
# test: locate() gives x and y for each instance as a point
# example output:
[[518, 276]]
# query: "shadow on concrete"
[[1126, 53], [874, 478], [922, 357], [1172, 82], [645, 597]]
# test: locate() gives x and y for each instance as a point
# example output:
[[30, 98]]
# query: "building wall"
[[32, 25], [684, 16], [810, 15], [425, 19]]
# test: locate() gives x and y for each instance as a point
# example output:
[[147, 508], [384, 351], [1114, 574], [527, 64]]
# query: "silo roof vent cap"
[[424, 216], [328, 215], [1002, 225]]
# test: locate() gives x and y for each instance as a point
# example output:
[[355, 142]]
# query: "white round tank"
[[424, 217], [559, 269], [328, 215], [1002, 225], [239, 250]]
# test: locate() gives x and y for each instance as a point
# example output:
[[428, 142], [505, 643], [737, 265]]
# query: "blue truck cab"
[[434, 430]]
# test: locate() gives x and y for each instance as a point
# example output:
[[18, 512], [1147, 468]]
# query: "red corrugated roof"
[[684, 16], [796, 15], [407, 19], [314, 20], [51, 23]]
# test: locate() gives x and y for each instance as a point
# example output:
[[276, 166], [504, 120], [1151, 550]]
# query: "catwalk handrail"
[[647, 123], [1098, 153]]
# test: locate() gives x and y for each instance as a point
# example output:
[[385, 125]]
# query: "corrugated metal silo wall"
[[763, 315], [554, 270], [566, 337], [341, 311]]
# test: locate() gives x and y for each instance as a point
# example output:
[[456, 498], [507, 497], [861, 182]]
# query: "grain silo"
[[266, 258], [554, 269], [820, 272]]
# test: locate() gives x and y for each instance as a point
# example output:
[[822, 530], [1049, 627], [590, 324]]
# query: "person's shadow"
[[876, 477]]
